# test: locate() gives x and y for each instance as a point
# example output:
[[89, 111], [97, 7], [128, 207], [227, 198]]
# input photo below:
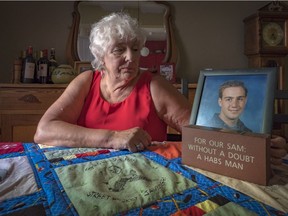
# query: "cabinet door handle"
[[30, 99]]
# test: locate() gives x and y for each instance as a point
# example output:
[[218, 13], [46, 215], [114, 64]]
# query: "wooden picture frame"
[[81, 66], [257, 114]]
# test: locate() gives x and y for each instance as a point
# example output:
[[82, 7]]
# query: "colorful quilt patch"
[[207, 206], [16, 178], [81, 181], [168, 150], [216, 205], [110, 186], [194, 210], [72, 153], [231, 207], [10, 147], [67, 152]]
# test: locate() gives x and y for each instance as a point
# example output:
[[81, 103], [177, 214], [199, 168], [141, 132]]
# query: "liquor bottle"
[[43, 64], [18, 67], [28, 67], [52, 64], [36, 56]]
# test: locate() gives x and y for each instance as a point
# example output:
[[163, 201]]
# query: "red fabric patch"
[[10, 147], [194, 210], [104, 151]]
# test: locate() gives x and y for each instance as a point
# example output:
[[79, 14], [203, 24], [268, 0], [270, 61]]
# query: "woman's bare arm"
[[58, 126], [170, 104]]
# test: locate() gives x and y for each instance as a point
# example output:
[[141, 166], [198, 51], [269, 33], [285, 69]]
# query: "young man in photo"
[[232, 100]]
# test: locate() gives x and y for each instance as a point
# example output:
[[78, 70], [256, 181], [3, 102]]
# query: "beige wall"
[[209, 34], [37, 23]]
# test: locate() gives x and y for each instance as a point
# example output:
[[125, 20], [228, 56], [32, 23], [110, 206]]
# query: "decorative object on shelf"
[[43, 67], [17, 71], [266, 32], [81, 66], [144, 51], [266, 41], [63, 74], [168, 71], [52, 64], [28, 67]]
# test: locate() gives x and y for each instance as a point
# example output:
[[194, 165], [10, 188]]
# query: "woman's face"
[[122, 60]]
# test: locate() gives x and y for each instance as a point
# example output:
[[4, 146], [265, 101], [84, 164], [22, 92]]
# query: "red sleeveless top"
[[137, 110]]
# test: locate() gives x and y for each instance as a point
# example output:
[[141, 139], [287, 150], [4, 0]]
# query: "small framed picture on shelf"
[[81, 66], [168, 71]]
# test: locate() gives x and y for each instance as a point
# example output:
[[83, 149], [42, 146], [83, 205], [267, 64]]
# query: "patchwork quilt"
[[44, 180]]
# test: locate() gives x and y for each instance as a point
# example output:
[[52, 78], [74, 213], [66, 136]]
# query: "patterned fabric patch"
[[9, 147], [16, 178], [69, 157], [67, 152], [103, 151], [110, 186], [229, 208]]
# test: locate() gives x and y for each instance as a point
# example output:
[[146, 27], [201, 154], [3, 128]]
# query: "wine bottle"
[[18, 67], [36, 56], [29, 67], [23, 54], [52, 64], [43, 64]]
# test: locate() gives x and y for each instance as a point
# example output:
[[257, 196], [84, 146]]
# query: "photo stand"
[[234, 153]]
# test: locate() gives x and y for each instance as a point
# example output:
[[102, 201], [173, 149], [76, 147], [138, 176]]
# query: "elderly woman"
[[117, 106]]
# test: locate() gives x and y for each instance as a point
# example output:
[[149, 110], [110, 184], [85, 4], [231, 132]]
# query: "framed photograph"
[[80, 66], [237, 99], [167, 71]]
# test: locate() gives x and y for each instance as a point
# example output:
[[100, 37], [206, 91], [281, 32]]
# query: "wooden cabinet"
[[21, 107]]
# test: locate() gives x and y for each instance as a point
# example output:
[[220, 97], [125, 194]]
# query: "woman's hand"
[[278, 149], [134, 139]]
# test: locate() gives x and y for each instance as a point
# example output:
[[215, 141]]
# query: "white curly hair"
[[114, 27]]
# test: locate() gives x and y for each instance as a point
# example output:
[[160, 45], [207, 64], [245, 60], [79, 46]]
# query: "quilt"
[[42, 180]]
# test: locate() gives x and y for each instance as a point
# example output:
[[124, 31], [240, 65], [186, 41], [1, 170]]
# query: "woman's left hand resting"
[[134, 139], [278, 149]]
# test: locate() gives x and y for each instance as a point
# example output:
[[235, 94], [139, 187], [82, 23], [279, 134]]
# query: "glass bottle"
[[43, 64], [28, 67], [52, 64], [17, 69]]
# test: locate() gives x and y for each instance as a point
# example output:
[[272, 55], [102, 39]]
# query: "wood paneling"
[[22, 106]]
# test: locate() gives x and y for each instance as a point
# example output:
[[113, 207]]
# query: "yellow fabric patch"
[[41, 146], [207, 206], [69, 157]]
